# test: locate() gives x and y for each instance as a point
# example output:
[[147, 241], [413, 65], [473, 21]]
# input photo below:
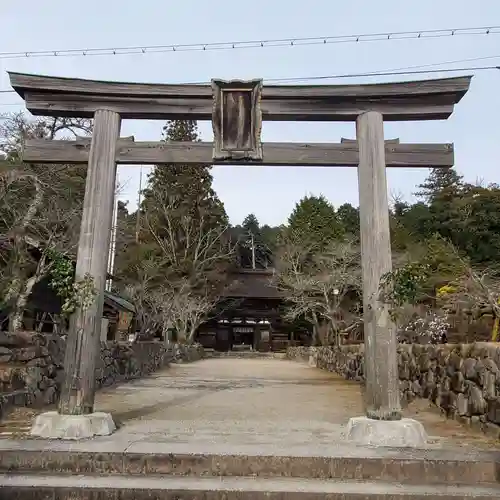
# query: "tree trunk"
[[192, 333], [316, 326], [336, 333], [13, 291], [16, 318], [323, 333]]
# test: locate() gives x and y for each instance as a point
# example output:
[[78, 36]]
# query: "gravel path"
[[244, 402]]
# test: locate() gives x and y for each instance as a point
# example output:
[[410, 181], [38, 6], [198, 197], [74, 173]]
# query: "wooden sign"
[[237, 120]]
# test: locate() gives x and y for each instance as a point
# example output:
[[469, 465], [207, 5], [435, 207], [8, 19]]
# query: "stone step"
[[343, 463], [34, 487]]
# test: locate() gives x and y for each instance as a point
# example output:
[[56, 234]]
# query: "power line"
[[279, 42], [404, 69], [389, 73], [409, 70]]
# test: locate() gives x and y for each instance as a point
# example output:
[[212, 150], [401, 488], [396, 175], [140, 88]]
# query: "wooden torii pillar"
[[382, 378], [236, 110], [78, 390]]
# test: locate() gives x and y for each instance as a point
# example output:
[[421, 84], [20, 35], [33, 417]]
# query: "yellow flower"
[[446, 290]]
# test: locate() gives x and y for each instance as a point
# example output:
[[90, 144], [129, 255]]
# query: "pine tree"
[[442, 184]]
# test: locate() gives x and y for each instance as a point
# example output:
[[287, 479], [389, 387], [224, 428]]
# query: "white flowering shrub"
[[429, 329]]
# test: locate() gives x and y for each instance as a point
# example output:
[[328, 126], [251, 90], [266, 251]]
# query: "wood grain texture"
[[274, 154], [82, 345], [85, 105], [381, 366], [418, 100], [237, 120], [344, 140], [22, 82]]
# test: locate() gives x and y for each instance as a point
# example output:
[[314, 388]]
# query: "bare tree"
[[187, 308], [16, 128], [425, 292], [193, 259], [147, 298], [40, 209], [474, 290], [38, 238], [318, 285]]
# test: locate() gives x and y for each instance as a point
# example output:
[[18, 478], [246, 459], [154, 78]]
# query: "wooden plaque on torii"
[[237, 120]]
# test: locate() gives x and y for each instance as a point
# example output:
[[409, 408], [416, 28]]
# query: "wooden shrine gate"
[[236, 110]]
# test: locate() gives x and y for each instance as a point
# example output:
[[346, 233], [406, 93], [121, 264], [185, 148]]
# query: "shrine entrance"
[[236, 109], [249, 316]]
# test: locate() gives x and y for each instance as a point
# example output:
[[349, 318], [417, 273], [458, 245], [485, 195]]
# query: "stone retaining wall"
[[31, 365], [463, 380]]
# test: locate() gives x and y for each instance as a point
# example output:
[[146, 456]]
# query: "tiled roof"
[[118, 302], [256, 284]]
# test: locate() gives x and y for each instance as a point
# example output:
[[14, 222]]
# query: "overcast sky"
[[271, 192]]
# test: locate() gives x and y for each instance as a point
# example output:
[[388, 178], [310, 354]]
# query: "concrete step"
[[424, 467], [34, 487]]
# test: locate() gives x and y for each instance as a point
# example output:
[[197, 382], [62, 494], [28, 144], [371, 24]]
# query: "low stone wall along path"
[[243, 428], [249, 403], [462, 381]]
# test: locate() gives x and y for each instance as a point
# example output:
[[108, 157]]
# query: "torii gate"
[[236, 109]]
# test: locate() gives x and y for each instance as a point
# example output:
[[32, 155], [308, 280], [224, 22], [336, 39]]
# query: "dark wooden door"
[[223, 341]]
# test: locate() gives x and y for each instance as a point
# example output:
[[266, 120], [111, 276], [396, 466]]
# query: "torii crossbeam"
[[237, 109], [343, 154]]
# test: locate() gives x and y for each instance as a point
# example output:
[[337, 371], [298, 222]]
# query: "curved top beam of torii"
[[73, 97]]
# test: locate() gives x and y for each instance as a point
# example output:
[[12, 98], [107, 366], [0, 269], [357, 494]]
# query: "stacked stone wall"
[[463, 380], [31, 365]]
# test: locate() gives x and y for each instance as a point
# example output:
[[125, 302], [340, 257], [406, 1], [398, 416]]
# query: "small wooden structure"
[[43, 309], [236, 109], [43, 313]]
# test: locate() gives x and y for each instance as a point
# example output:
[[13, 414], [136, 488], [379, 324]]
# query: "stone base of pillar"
[[53, 425], [404, 433]]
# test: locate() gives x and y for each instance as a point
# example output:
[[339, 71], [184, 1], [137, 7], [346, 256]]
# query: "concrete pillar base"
[[404, 433], [53, 425]]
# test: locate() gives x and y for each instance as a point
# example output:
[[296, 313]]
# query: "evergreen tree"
[[179, 208], [314, 223], [253, 243], [348, 217], [185, 189], [269, 235], [178, 267], [474, 225], [442, 184], [461, 213], [251, 225]]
